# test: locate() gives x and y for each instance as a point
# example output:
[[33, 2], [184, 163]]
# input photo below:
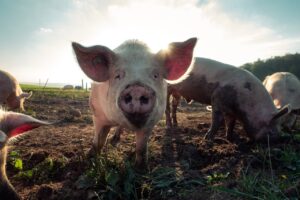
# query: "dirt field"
[[181, 164]]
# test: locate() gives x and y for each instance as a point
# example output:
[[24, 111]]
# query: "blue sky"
[[35, 35], [283, 16]]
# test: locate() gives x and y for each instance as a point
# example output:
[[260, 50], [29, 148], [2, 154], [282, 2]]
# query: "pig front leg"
[[217, 120], [230, 123], [167, 111], [141, 159], [101, 132], [175, 102]]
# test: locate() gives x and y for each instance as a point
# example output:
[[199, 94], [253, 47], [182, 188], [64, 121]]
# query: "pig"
[[284, 88], [130, 88], [11, 125], [234, 94], [11, 93], [171, 117]]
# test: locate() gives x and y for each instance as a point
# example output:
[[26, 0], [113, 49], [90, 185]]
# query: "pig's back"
[[221, 73], [208, 75], [251, 95]]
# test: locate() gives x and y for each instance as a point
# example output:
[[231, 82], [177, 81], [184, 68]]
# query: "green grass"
[[44, 171], [112, 177], [41, 172], [16, 160], [109, 178], [39, 92], [277, 175]]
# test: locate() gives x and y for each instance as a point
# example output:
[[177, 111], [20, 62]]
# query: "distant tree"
[[287, 63]]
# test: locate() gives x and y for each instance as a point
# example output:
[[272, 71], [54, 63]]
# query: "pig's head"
[[16, 101], [136, 77], [271, 128], [13, 124]]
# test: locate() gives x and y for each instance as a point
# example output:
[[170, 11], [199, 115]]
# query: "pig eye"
[[118, 76], [156, 75]]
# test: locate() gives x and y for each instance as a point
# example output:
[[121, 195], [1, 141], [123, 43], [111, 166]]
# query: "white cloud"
[[45, 30], [157, 23]]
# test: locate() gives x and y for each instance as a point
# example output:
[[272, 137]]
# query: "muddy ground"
[[64, 147]]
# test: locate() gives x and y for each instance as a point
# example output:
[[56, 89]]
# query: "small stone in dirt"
[[69, 175], [75, 112], [171, 192], [92, 195]]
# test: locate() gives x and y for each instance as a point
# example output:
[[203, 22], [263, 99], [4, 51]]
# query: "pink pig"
[[234, 94], [130, 87]]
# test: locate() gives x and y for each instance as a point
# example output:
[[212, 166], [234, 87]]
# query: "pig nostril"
[[144, 100], [128, 99]]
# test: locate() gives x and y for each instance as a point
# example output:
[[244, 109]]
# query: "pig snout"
[[137, 102]]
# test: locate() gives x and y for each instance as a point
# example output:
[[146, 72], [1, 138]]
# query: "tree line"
[[287, 63]]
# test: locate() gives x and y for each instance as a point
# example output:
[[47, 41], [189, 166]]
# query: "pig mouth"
[[136, 102], [137, 119]]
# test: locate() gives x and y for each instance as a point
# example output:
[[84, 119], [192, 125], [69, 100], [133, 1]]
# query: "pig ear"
[[283, 111], [177, 58], [94, 61], [26, 95], [14, 124]]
